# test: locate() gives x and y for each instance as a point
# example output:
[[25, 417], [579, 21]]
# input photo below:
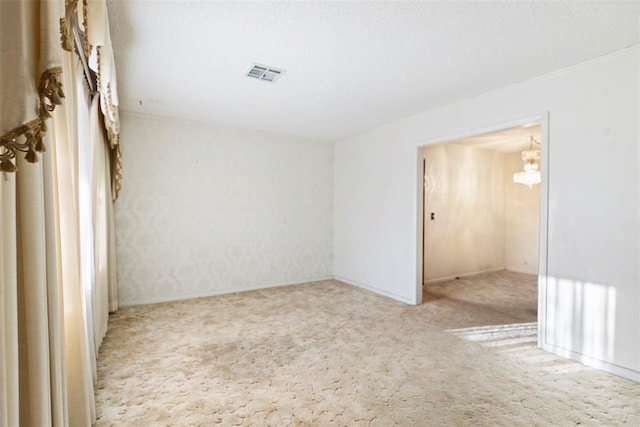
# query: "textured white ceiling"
[[350, 66]]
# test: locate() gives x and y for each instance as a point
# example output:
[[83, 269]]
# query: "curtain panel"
[[54, 300], [45, 349]]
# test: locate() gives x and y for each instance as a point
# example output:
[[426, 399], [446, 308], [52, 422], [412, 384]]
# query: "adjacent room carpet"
[[330, 354]]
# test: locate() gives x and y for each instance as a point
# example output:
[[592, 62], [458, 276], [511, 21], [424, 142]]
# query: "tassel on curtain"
[[27, 138]]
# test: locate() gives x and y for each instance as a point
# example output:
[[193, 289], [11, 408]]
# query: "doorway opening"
[[484, 235]]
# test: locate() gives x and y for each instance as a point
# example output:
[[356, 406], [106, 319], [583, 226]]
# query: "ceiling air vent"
[[262, 72]]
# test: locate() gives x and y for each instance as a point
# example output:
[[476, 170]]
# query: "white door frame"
[[543, 232]]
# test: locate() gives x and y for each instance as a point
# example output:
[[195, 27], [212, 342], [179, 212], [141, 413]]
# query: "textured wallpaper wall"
[[521, 220], [464, 188], [206, 210], [483, 221]]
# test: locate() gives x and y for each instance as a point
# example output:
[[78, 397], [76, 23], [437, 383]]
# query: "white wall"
[[207, 210], [521, 219], [464, 188], [592, 292]]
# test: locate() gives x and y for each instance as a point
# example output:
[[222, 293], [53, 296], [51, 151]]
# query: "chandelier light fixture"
[[531, 173]]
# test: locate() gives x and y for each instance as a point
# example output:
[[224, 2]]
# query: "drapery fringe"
[[66, 40], [113, 134], [116, 168], [66, 32], [85, 24], [51, 94], [114, 142]]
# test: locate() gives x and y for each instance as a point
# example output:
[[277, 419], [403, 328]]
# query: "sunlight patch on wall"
[[581, 317]]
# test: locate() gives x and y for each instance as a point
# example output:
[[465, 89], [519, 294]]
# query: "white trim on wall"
[[543, 233], [225, 291], [611, 368], [419, 221], [457, 276], [374, 290]]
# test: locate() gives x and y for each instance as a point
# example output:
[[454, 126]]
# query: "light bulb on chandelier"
[[531, 173]]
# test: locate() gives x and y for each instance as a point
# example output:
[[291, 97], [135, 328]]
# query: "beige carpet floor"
[[329, 354]]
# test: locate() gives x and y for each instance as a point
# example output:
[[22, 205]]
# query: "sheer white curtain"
[[103, 231], [68, 140], [96, 225], [100, 177]]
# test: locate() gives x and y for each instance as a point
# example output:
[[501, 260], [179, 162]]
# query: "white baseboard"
[[215, 292], [473, 273], [611, 368], [515, 270], [375, 290]]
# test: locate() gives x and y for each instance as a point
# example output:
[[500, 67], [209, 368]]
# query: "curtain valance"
[[30, 69], [33, 33]]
